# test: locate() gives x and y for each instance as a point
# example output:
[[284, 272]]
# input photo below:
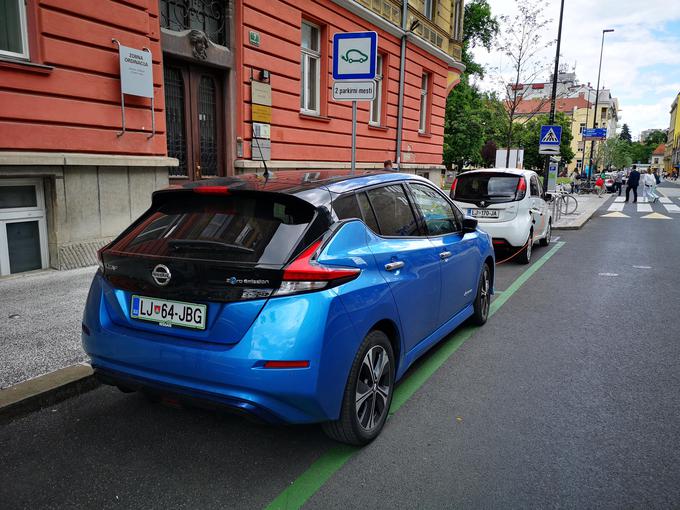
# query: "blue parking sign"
[[355, 55]]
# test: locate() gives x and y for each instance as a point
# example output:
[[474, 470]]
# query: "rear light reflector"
[[286, 364], [212, 190]]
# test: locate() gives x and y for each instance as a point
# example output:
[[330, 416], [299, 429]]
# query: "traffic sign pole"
[[354, 136]]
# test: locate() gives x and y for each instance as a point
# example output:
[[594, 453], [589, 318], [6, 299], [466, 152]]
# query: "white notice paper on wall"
[[136, 72]]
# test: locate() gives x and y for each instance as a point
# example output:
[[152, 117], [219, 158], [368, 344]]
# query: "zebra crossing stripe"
[[619, 199], [644, 208], [616, 206], [665, 200], [672, 208]]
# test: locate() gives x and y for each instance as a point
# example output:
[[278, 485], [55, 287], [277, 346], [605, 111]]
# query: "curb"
[[46, 390]]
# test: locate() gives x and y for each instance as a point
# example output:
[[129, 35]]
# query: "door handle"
[[393, 266], [445, 255]]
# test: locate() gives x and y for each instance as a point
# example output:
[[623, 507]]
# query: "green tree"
[[625, 134], [656, 137], [480, 28], [521, 42], [613, 153], [530, 135], [470, 114]]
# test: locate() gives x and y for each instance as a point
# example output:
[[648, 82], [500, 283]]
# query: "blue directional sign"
[[355, 55], [549, 142], [595, 133]]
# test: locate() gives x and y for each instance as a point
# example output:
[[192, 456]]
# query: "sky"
[[641, 60]]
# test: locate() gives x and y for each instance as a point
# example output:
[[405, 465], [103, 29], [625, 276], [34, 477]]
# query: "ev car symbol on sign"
[[354, 55]]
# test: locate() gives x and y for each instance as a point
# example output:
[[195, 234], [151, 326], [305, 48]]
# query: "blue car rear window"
[[253, 230]]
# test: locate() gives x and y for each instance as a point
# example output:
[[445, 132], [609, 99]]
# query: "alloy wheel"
[[373, 388], [485, 293]]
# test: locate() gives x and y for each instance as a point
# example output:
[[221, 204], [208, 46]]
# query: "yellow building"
[[672, 153]]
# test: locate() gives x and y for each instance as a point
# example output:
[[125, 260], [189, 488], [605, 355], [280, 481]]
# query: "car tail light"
[[212, 190], [287, 364], [521, 188], [304, 274], [453, 187]]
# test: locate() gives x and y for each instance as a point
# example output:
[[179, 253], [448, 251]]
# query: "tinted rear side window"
[[244, 229], [367, 211], [346, 207], [494, 188], [393, 210]]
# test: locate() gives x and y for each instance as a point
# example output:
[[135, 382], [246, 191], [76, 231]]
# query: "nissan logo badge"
[[161, 275]]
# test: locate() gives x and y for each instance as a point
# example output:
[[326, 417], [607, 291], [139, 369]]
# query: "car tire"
[[548, 235], [525, 255], [483, 299], [364, 395]]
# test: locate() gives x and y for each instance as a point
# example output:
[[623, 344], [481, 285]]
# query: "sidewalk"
[[587, 205], [40, 326]]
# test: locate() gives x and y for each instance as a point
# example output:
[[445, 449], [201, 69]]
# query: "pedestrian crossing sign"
[[549, 142]]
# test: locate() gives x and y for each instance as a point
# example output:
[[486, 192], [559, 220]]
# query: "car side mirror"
[[469, 224]]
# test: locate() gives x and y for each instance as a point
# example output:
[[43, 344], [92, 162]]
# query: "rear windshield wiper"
[[202, 244]]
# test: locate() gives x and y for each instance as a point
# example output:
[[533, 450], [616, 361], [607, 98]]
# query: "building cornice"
[[396, 31], [82, 159]]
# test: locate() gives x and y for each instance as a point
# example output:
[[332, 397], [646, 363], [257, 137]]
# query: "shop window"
[[13, 29], [310, 79]]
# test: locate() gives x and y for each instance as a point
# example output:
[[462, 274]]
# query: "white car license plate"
[[483, 213], [168, 313]]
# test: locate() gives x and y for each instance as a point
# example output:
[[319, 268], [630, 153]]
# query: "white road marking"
[[619, 199], [642, 267], [555, 239], [655, 216], [607, 274], [615, 215], [644, 208], [671, 208], [665, 200], [616, 206]]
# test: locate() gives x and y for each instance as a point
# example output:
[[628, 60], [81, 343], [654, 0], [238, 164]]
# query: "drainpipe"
[[402, 72]]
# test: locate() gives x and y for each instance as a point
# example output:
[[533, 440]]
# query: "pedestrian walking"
[[599, 186], [650, 186], [575, 181], [618, 182], [633, 183]]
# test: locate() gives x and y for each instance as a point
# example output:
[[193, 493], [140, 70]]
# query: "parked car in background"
[[509, 204], [296, 302]]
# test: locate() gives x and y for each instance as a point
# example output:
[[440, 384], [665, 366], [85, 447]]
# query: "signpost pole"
[[553, 97], [354, 136]]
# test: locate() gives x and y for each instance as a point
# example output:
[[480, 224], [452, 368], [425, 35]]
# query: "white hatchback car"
[[509, 204]]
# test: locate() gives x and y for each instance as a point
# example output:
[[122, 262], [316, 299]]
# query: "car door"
[[538, 206], [408, 260], [458, 253]]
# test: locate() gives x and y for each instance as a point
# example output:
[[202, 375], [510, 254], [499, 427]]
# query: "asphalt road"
[[568, 397]]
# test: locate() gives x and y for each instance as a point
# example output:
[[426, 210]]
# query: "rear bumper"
[[311, 327], [194, 397], [514, 233]]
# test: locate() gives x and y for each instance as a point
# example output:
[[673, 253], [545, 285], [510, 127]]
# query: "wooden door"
[[194, 103]]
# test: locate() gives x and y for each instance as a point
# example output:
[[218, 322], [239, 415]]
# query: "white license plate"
[[483, 213], [168, 313]]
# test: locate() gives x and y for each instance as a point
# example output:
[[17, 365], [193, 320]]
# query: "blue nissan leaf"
[[294, 299]]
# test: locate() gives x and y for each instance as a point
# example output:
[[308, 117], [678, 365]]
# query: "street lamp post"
[[597, 98]]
